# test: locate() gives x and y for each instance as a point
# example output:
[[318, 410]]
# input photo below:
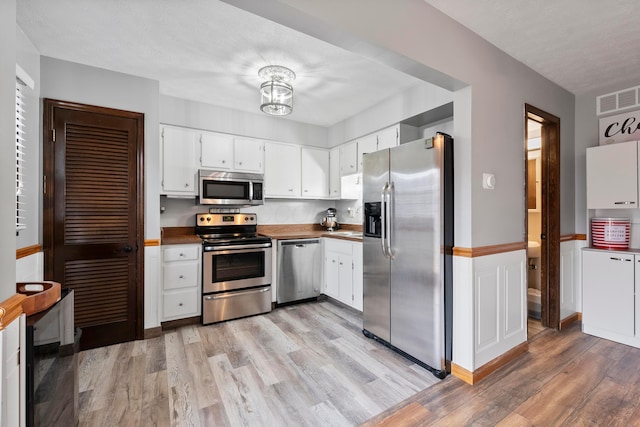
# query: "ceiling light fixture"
[[276, 92]]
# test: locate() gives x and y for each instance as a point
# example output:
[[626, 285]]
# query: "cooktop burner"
[[229, 229]]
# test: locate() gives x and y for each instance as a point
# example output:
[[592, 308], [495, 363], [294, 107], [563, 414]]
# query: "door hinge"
[[53, 135], [162, 133]]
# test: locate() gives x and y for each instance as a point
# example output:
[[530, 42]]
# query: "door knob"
[[127, 248]]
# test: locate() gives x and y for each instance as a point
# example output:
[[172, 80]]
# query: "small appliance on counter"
[[330, 222]]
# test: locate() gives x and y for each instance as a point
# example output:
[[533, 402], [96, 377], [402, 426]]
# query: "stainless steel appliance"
[[299, 269], [52, 347], [236, 266], [407, 250], [230, 188], [330, 222]]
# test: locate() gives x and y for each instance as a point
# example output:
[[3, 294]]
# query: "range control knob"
[[201, 219]]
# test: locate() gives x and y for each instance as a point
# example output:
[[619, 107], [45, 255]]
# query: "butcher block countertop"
[[186, 235]]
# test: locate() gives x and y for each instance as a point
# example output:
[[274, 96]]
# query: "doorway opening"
[[542, 222]]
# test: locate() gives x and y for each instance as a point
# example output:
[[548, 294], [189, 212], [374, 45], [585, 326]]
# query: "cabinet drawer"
[[181, 275], [181, 253], [180, 304]]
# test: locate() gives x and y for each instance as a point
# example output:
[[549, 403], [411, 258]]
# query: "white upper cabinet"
[[315, 173], [348, 158], [388, 137], [612, 176], [334, 173], [179, 164], [216, 151], [282, 170], [366, 144], [227, 152], [248, 155]]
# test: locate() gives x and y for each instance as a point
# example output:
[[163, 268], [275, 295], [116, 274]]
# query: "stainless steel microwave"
[[230, 188]]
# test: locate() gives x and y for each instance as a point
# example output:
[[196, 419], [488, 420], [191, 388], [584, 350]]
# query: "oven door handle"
[[237, 293], [236, 248]]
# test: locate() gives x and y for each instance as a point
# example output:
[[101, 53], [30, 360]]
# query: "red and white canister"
[[610, 233]]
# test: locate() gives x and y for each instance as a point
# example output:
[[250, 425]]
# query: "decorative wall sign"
[[620, 128]]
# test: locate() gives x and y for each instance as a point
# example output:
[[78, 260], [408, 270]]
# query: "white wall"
[[587, 125], [7, 147], [182, 112], [401, 32], [415, 100]]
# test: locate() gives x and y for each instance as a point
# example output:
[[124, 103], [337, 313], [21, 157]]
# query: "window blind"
[[20, 156]]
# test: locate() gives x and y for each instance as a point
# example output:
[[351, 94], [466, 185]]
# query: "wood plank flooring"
[[301, 365], [309, 365], [566, 378]]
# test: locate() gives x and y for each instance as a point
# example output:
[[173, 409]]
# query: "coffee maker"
[[329, 221]]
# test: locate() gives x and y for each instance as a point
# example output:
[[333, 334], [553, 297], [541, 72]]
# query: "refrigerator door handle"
[[390, 220], [383, 219]]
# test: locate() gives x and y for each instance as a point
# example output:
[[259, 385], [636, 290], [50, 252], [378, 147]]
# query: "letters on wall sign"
[[620, 128]]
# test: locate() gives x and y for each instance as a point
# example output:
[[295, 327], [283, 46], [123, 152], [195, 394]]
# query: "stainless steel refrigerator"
[[408, 242]]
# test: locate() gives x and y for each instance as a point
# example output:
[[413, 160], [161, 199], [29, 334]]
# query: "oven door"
[[235, 267]]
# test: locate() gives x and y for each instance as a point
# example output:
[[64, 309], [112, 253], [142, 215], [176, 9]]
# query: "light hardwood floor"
[[305, 364], [310, 365], [566, 378]]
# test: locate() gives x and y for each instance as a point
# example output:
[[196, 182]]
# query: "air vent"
[[616, 101]]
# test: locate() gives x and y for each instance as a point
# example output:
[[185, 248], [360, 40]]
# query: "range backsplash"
[[182, 212]]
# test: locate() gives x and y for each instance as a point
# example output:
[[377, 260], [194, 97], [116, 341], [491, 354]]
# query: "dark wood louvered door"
[[93, 216]]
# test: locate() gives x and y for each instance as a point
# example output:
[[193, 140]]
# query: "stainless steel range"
[[236, 266]]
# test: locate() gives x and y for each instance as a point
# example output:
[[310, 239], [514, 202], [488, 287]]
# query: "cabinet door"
[[216, 151], [367, 144], [248, 155], [612, 176], [282, 170], [348, 158], [357, 276], [334, 173], [388, 138], [332, 274], [345, 271], [315, 172], [637, 294], [179, 167], [608, 293]]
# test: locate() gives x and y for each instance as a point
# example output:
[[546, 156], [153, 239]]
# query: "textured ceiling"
[[210, 52], [581, 45]]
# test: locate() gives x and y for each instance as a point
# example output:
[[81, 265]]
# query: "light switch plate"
[[488, 181]]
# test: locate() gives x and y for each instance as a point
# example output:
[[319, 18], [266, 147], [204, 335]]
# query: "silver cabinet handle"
[[619, 259]]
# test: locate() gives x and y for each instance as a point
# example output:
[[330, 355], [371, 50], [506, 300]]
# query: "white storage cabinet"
[[181, 279], [610, 295], [179, 164], [612, 176], [343, 271]]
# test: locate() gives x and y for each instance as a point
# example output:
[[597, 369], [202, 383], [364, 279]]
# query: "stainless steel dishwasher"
[[299, 273]]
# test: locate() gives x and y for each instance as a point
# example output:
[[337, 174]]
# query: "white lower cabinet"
[[610, 284], [343, 271], [181, 287]]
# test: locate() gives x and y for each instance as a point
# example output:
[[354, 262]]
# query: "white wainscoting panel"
[[463, 313], [30, 268], [500, 296]]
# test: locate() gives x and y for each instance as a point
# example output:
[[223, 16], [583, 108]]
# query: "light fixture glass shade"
[[276, 93], [277, 98]]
